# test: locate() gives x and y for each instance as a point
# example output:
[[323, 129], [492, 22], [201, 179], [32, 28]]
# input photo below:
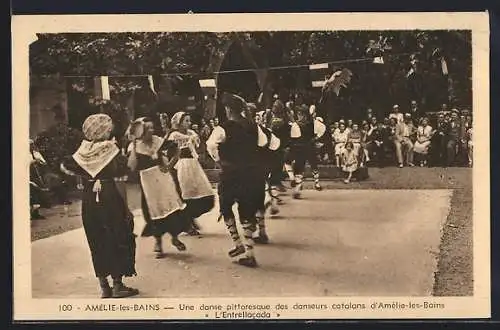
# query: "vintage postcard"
[[251, 166]]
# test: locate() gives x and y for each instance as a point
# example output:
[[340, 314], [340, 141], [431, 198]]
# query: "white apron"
[[160, 193], [192, 179]]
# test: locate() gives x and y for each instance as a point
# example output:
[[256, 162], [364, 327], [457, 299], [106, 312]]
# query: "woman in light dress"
[[163, 209], [349, 161], [340, 138], [421, 146], [195, 188]]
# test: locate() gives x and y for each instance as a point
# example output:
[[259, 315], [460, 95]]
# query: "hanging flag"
[[101, 88], [318, 73], [208, 88], [152, 84], [106, 95], [444, 66], [207, 83]]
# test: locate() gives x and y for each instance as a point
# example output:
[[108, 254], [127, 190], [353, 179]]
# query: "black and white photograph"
[[223, 169]]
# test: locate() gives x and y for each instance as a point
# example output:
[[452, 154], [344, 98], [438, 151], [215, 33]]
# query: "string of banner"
[[103, 81]]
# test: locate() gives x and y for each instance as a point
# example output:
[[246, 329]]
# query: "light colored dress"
[[340, 139], [193, 181], [159, 189], [423, 142], [350, 161]]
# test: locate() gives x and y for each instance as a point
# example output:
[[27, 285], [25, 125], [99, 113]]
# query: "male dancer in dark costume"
[[279, 124], [302, 148], [268, 155], [234, 146]]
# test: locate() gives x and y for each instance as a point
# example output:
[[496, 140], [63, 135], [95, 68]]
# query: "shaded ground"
[[454, 275]]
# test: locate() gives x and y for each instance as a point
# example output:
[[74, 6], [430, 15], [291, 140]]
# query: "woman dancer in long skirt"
[[163, 209], [108, 226], [195, 188]]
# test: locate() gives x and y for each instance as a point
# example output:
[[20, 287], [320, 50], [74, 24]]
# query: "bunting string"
[[284, 67]]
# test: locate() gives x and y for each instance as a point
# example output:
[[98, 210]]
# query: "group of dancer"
[[175, 190]]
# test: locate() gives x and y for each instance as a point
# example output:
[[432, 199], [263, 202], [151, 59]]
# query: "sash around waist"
[[185, 153]]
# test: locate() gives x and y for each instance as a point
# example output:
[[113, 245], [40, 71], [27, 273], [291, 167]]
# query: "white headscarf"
[[177, 119]]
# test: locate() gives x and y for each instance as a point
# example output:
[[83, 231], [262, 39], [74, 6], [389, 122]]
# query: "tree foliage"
[[89, 54]]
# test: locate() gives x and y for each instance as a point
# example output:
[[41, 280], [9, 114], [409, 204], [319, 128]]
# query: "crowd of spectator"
[[441, 138], [400, 138]]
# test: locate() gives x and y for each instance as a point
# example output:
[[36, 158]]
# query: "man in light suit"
[[403, 143]]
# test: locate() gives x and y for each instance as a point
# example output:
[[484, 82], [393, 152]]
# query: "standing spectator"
[[414, 110], [205, 130], [369, 114], [373, 123], [396, 114], [403, 144], [424, 135], [463, 148], [469, 145], [36, 183], [453, 138], [391, 136], [366, 133], [196, 128], [216, 121], [444, 108], [438, 141]]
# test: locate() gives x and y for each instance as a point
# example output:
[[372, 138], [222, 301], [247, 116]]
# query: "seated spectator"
[[355, 136], [376, 144], [340, 139], [387, 122], [411, 126], [403, 144], [349, 161], [334, 128], [421, 146]]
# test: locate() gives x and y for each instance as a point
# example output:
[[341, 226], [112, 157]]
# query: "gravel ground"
[[454, 276]]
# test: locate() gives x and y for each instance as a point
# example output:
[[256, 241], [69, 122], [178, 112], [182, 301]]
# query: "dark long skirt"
[[174, 224], [109, 230], [199, 206]]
